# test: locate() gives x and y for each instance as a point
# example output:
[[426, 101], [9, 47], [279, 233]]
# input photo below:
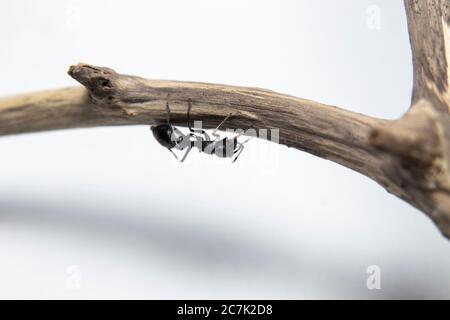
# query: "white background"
[[108, 213]]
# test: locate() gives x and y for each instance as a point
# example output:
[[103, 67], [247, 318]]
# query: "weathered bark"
[[419, 142], [410, 157]]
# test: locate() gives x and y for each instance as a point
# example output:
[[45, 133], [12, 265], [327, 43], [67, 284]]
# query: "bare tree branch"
[[410, 157], [115, 99], [420, 140], [428, 25]]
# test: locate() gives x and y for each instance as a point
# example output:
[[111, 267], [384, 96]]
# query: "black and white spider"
[[171, 138]]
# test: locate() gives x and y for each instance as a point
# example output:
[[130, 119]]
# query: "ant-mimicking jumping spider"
[[171, 137]]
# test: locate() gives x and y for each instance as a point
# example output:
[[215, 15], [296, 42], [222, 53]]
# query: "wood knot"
[[99, 81], [414, 140]]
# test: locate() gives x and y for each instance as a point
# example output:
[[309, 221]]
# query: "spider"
[[171, 138]]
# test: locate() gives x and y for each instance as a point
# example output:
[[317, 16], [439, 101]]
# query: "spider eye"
[[180, 139]]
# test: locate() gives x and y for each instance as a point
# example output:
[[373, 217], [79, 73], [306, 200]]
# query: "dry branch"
[[410, 157]]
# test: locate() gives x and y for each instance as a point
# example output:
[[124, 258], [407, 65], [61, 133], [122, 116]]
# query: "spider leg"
[[167, 113], [240, 148], [188, 115], [220, 124], [238, 151], [240, 134], [247, 140], [189, 121], [186, 153], [173, 153], [206, 135]]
